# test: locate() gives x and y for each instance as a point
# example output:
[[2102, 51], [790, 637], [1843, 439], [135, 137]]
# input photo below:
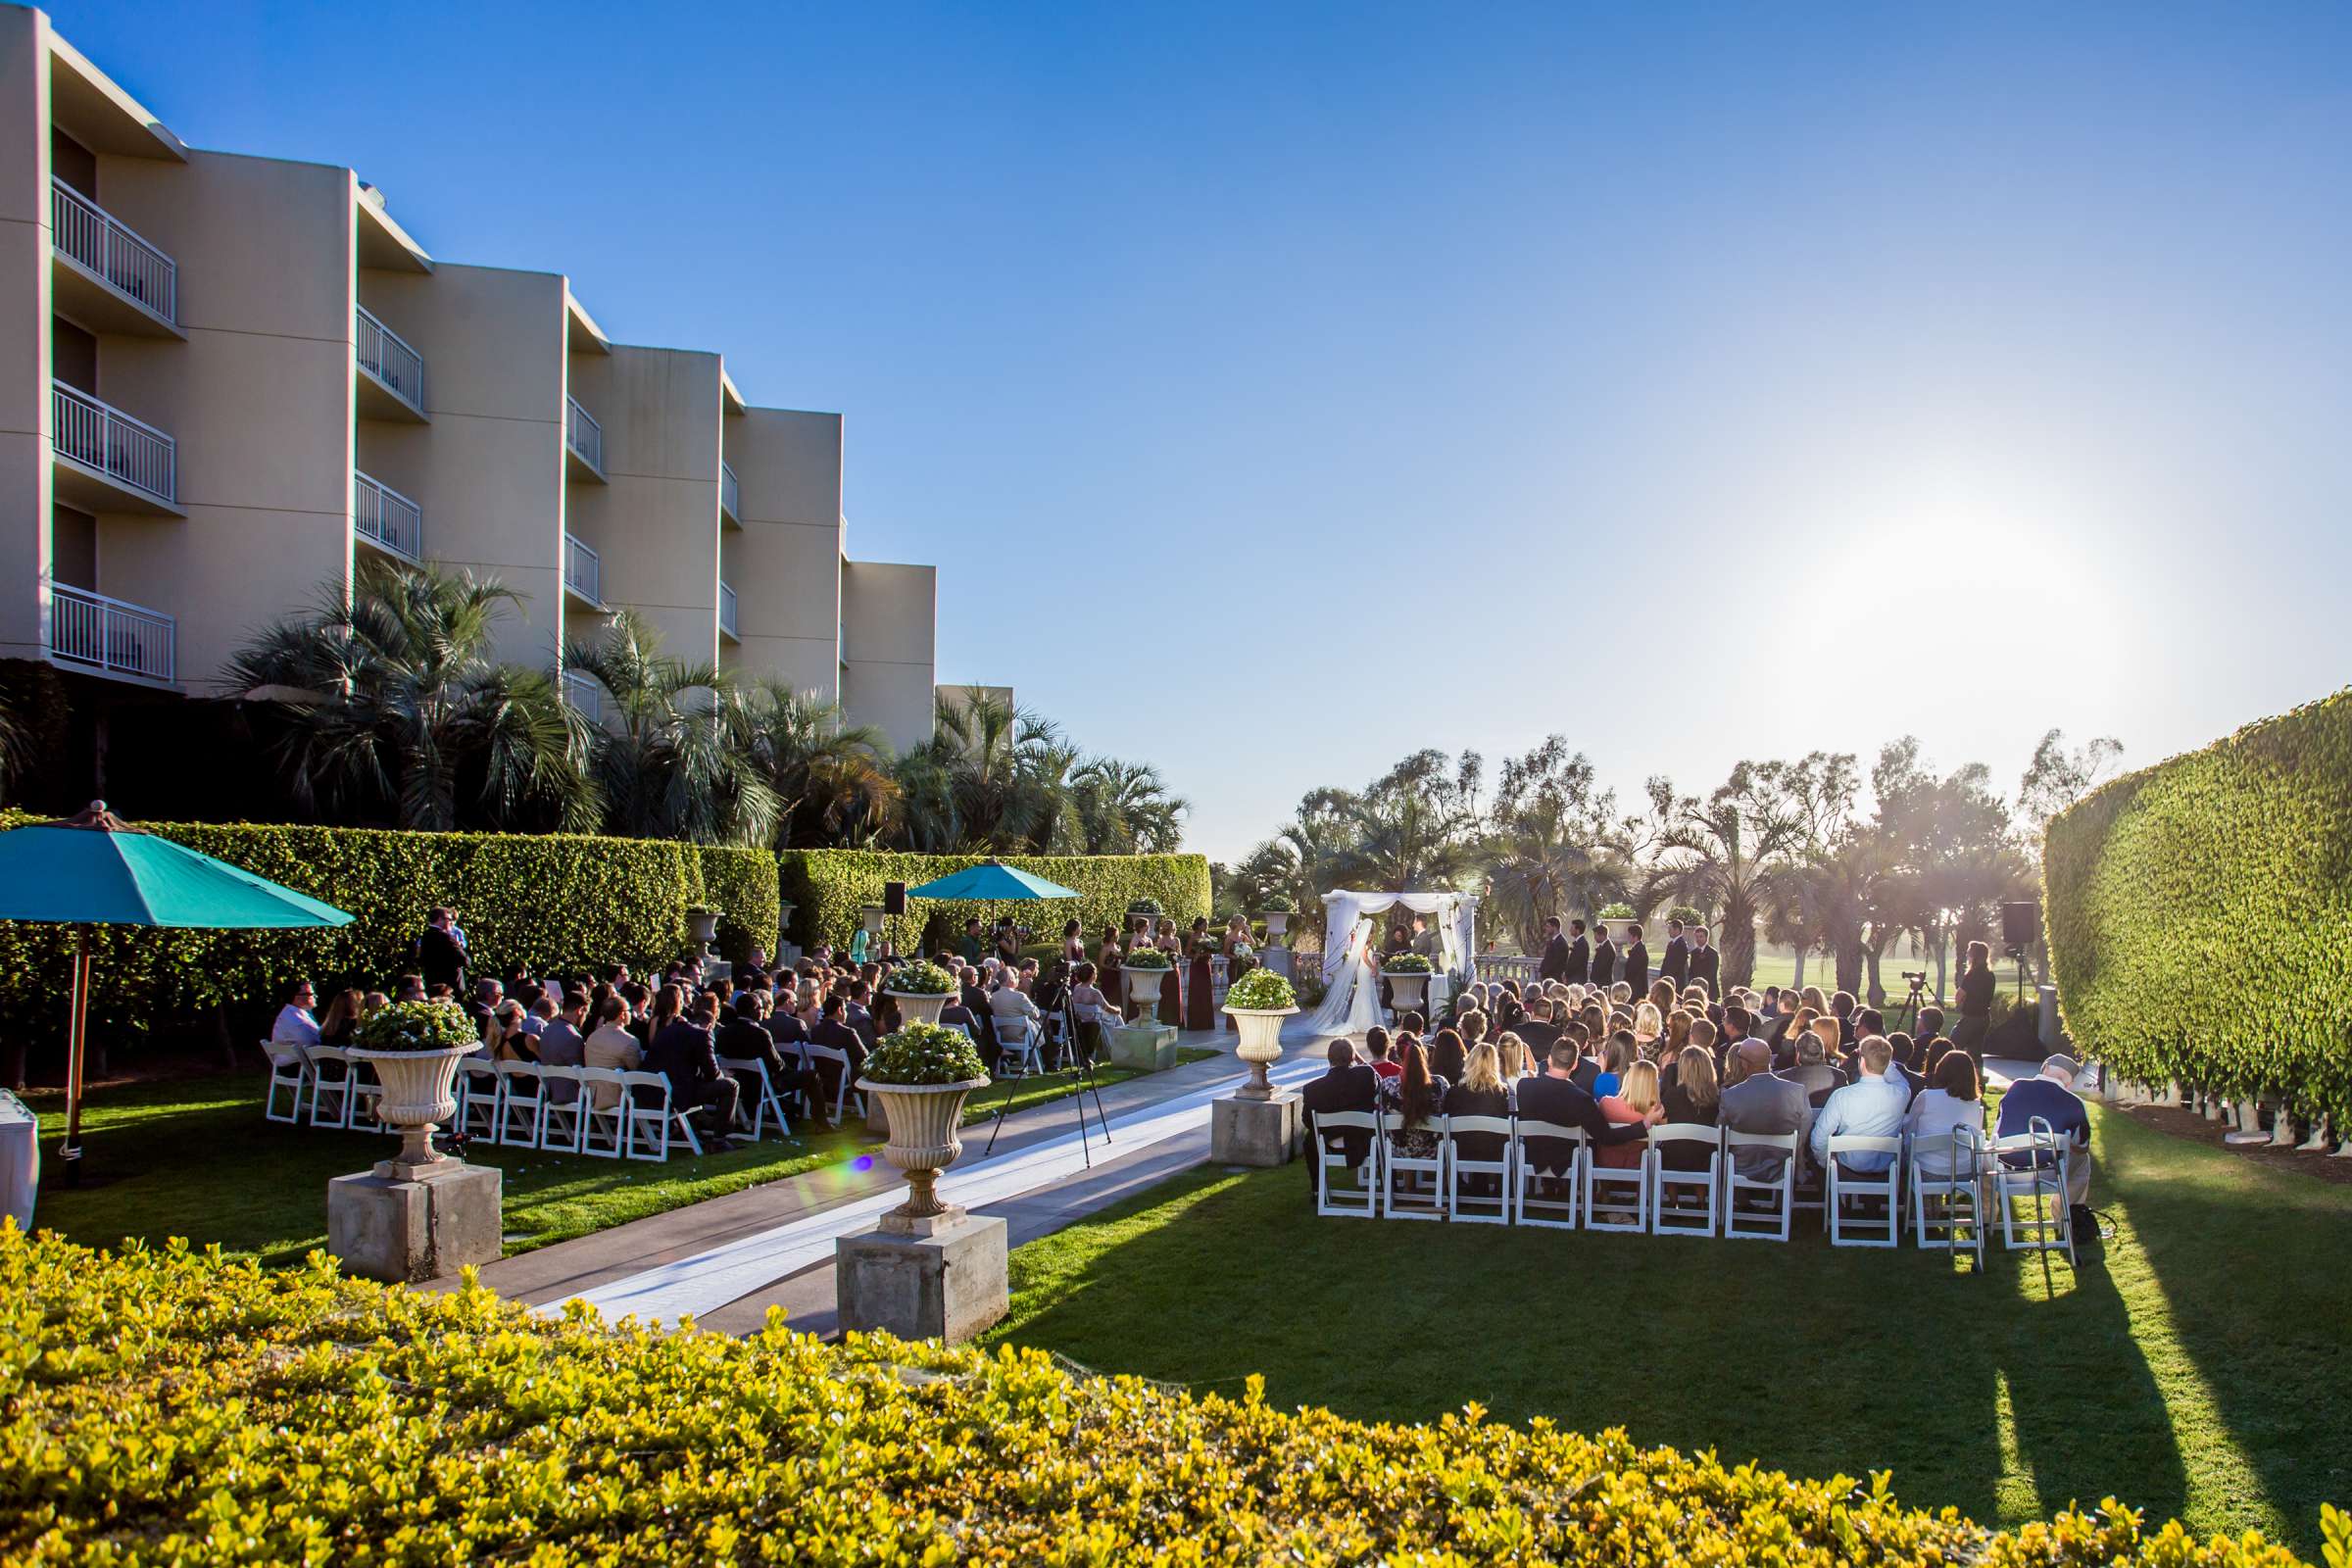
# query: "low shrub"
[[417, 1026], [828, 887], [167, 1406], [1147, 959], [918, 1054], [1405, 963], [1261, 991], [921, 978]]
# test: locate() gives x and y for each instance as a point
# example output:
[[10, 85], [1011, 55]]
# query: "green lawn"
[[193, 1158], [2199, 1365]]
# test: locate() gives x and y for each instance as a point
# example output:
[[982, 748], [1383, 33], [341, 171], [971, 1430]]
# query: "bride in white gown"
[[1352, 1003]]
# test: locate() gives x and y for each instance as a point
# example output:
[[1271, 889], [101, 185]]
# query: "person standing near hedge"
[[439, 952], [1977, 988]]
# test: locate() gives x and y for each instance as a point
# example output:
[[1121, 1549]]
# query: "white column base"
[[2283, 1128], [2245, 1118], [2317, 1142]]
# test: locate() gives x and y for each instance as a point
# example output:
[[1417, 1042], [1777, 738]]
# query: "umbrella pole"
[[76, 1041]]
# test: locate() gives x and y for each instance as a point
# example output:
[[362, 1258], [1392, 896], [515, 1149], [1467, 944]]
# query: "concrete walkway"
[[727, 1261]]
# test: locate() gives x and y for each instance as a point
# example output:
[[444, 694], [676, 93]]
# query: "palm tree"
[[1731, 854], [832, 781], [674, 756], [392, 701], [1125, 809]]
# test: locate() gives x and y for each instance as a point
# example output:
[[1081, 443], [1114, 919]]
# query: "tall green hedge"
[[2199, 914], [828, 887]]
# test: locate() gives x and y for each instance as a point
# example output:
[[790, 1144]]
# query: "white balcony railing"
[[86, 232], [583, 434], [587, 697], [92, 629], [730, 493], [726, 610], [385, 516], [104, 438], [392, 359], [581, 569]]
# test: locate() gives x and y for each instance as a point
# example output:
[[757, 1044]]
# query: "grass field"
[[193, 1158], [2199, 1365]]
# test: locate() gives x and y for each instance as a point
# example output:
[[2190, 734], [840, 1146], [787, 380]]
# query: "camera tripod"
[[1911, 1004], [1084, 1073]]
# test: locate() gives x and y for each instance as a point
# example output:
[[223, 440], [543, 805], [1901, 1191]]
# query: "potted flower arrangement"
[[413, 1048], [921, 1073], [921, 989], [1258, 1003], [1277, 915], [1617, 916], [1407, 974], [1142, 972]]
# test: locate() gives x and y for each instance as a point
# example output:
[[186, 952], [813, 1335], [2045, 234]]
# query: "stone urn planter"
[[918, 1007], [702, 925], [1143, 988], [924, 1119], [418, 1096], [1277, 923], [872, 914], [1408, 992], [1260, 1029]]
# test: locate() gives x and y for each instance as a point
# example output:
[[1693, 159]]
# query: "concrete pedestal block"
[[1254, 1132], [948, 1285], [1277, 960], [1144, 1046], [405, 1224]]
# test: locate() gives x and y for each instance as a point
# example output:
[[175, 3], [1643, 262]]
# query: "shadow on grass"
[[1812, 1360]]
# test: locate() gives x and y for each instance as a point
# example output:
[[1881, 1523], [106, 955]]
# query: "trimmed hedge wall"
[[166, 1406], [828, 888], [2199, 914]]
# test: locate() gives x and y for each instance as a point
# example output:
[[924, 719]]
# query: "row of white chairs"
[[1956, 1183]]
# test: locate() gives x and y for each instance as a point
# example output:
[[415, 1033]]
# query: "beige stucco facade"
[[224, 380]]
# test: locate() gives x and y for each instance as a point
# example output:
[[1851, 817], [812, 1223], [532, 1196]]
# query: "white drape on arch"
[[1453, 914]]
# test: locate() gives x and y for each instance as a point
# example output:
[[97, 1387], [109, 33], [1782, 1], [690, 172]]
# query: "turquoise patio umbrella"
[[991, 882], [93, 868]]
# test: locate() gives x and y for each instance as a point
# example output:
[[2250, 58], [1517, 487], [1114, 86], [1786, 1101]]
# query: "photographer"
[[1977, 987]]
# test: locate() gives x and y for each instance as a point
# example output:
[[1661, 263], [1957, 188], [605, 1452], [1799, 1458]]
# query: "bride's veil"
[[1336, 1015]]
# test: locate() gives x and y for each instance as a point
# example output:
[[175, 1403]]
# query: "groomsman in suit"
[[1555, 951], [1580, 955], [1604, 958], [1706, 963], [1635, 967], [1675, 964]]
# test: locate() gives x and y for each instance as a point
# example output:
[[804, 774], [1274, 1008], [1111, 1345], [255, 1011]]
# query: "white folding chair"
[[1016, 1048], [653, 1118], [759, 1100], [2039, 1184], [1476, 1207], [519, 1103], [604, 1129], [1849, 1187], [289, 1070], [331, 1092], [1362, 1199], [1428, 1204], [1617, 1197], [1947, 1191], [1750, 1222], [563, 1121], [817, 1056], [1532, 1204], [1671, 1213], [478, 1099], [366, 1089]]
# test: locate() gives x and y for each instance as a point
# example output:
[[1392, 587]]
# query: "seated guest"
[[1008, 1004], [1755, 1100], [610, 1045], [1555, 1097], [1512, 1058], [1483, 1092], [1649, 1025], [1417, 1098], [296, 1024], [975, 1002], [509, 1040], [1842, 1012], [1813, 1069], [1951, 1100], [685, 1051], [375, 1003], [1870, 1106], [1587, 1067], [1348, 1085], [340, 1024], [1616, 1056], [831, 1032], [1537, 1031], [563, 1043], [1693, 1093], [1376, 1052], [1472, 1027], [1450, 1054], [745, 1037], [1635, 1103], [487, 994], [409, 988], [1094, 1014], [2049, 1096]]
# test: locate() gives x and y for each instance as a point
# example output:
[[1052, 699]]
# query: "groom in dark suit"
[[1555, 951]]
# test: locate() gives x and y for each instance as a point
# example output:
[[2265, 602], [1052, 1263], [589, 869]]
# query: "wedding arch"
[[1452, 915]]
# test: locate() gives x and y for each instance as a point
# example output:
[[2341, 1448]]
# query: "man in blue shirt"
[[2051, 1097], [1870, 1106]]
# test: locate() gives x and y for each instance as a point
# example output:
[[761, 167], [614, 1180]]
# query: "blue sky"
[[1281, 389]]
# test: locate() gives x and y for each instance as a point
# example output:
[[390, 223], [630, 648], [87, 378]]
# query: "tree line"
[[1815, 853]]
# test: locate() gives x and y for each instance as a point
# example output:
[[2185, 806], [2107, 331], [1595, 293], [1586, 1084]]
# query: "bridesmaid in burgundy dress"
[[1107, 964], [1200, 1003], [1171, 989], [1236, 933]]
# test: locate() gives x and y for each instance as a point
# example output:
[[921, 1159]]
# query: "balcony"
[[387, 518], [583, 442], [106, 277], [109, 462], [582, 572], [584, 695], [388, 374], [104, 634], [730, 496], [726, 614]]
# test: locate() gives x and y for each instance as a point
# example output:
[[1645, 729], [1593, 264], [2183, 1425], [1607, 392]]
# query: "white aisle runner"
[[709, 1281]]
